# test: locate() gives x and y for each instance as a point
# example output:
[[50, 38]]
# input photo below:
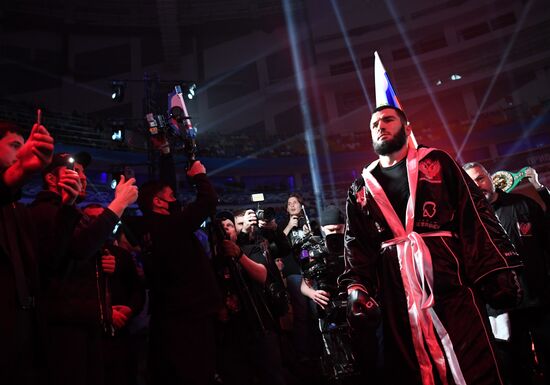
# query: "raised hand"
[[37, 152], [249, 220], [70, 184], [196, 168], [126, 193]]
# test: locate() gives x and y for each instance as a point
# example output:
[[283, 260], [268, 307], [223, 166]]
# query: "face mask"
[[335, 243], [173, 206]]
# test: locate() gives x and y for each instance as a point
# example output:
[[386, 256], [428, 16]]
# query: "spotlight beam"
[[420, 70], [306, 114], [349, 46], [498, 70]]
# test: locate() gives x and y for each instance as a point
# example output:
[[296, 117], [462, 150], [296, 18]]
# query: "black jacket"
[[179, 275], [20, 251], [69, 281], [524, 222]]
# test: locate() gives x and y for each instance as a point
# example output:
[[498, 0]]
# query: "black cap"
[[62, 159], [223, 215], [332, 215], [84, 158], [58, 160]]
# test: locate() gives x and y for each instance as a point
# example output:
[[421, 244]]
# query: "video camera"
[[176, 125], [318, 265]]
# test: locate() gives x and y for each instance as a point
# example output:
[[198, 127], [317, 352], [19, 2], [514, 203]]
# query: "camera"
[[322, 267], [266, 215], [318, 265], [263, 215]]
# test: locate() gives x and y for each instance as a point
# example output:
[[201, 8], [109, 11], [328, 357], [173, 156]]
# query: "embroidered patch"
[[525, 229], [430, 171], [361, 197], [429, 209]]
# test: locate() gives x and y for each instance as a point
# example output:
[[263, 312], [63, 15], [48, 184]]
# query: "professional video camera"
[[176, 126], [322, 268], [315, 263]]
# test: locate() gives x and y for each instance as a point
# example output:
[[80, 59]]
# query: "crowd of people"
[[431, 276]]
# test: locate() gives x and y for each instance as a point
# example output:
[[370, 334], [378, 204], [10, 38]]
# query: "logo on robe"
[[429, 209], [525, 229], [361, 197], [430, 171]]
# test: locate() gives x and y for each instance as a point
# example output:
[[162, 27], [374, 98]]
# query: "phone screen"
[[70, 163]]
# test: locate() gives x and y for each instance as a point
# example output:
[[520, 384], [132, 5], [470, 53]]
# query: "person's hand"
[[108, 262], [37, 151], [363, 311], [70, 184], [231, 250], [533, 177], [196, 168], [292, 222], [121, 315], [126, 193], [320, 297], [249, 221]]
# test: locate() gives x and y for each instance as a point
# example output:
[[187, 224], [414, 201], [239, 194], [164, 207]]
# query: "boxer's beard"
[[390, 146]]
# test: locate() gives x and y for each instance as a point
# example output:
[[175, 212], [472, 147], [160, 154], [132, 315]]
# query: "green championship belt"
[[507, 180]]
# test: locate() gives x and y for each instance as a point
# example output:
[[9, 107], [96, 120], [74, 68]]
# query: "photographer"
[[296, 228], [322, 261], [321, 270], [184, 296], [249, 340]]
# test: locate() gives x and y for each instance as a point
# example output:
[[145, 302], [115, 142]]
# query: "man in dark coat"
[[249, 340], [74, 312], [524, 222], [20, 352], [422, 241], [184, 296]]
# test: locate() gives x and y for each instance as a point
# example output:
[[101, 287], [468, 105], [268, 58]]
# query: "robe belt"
[[415, 264]]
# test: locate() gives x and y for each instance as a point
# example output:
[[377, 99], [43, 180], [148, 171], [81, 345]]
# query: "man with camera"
[[346, 352], [249, 333], [184, 295], [296, 229], [325, 261]]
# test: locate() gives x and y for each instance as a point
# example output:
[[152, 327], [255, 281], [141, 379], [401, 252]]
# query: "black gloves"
[[501, 290], [363, 311]]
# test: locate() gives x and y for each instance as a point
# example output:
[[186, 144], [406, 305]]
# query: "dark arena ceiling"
[[472, 75]]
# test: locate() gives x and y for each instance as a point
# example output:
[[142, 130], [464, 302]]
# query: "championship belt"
[[507, 180]]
